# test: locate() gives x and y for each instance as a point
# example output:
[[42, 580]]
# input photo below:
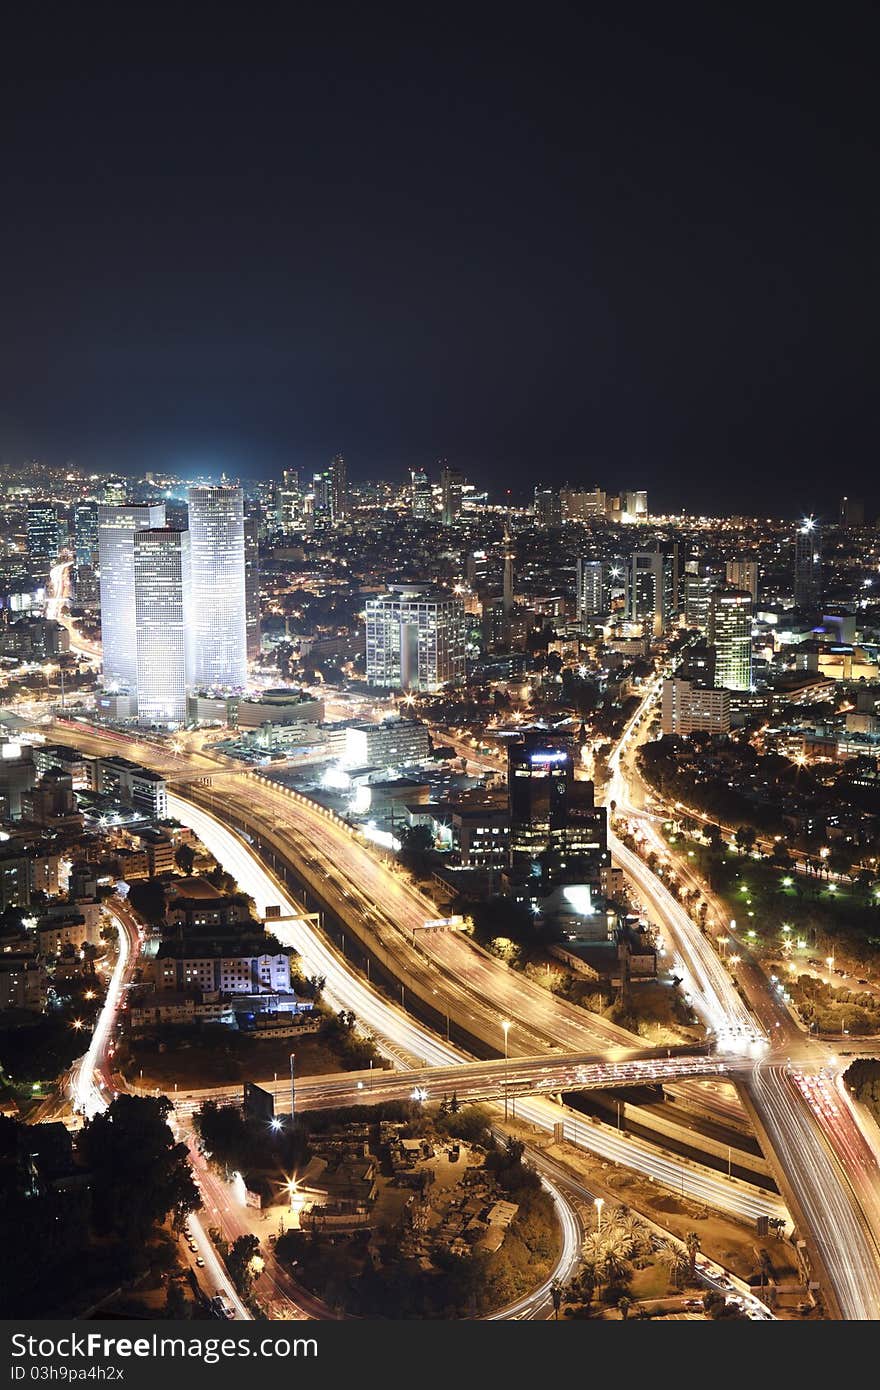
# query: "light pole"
[[599, 1204], [506, 1029]]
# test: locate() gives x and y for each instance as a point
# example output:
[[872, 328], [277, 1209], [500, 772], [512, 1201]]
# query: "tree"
[[556, 1292], [745, 838], [185, 858], [692, 1245], [176, 1306], [623, 1306], [239, 1262], [139, 1174]]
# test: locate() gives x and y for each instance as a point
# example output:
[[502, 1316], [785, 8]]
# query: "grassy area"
[[195, 1061]]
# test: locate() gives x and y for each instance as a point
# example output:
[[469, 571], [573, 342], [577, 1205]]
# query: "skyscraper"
[[415, 638], [116, 528], [557, 833], [161, 568], [421, 501], [698, 591], [338, 490], [743, 574], [548, 507], [219, 613], [85, 533], [808, 564], [42, 538], [252, 586], [730, 633], [651, 589], [451, 485], [591, 589]]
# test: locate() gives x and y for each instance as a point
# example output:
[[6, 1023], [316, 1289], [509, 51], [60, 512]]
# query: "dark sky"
[[635, 246]]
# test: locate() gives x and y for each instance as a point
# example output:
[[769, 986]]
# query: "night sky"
[[637, 247]]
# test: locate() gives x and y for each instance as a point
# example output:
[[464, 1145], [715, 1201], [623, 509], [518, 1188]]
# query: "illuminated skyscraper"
[[743, 574], [116, 528], [651, 591], [698, 591], [338, 490], [451, 485], [548, 507], [808, 564], [415, 638], [557, 832], [730, 633], [591, 589], [161, 567], [42, 538], [219, 612], [421, 501], [252, 585]]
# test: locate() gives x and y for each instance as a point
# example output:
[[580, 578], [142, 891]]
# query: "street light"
[[505, 1026], [599, 1204]]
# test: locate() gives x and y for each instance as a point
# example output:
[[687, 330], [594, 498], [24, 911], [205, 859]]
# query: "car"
[[862, 982], [200, 1263], [693, 1303], [193, 1247]]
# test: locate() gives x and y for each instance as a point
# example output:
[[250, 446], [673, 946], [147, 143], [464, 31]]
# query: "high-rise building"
[[743, 574], [116, 528], [42, 538], [252, 585], [338, 490], [686, 708], [289, 501], [634, 506], [730, 633], [852, 511], [580, 505], [115, 491], [161, 567], [808, 564], [557, 832], [651, 589], [592, 589], [421, 500], [319, 516], [219, 610], [698, 591], [85, 533], [548, 508], [415, 638], [451, 483]]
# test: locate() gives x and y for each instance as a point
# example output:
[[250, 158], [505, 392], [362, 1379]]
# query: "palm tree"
[[624, 1304], [675, 1262], [556, 1293], [616, 1268], [692, 1245]]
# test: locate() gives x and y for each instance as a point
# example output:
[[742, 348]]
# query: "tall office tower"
[[730, 633], [415, 638], [252, 585], [698, 591], [288, 501], [338, 490], [85, 533], [852, 511], [115, 490], [507, 581], [319, 516], [218, 619], [548, 508], [635, 506], [743, 574], [477, 570], [116, 528], [557, 832], [592, 597], [451, 483], [808, 564], [42, 538], [420, 498], [161, 568], [651, 589]]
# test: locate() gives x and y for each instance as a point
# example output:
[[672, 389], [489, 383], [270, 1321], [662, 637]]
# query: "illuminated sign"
[[560, 756]]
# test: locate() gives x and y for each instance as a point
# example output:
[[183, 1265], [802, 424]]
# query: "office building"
[[393, 743], [131, 784], [634, 506], [651, 590], [338, 490], [557, 832], [686, 708], [421, 500], [730, 633], [161, 598], [252, 586], [116, 529], [288, 501], [581, 505], [548, 508], [42, 539], [85, 534], [808, 564], [451, 483], [592, 597], [415, 638], [743, 574], [698, 591], [218, 617]]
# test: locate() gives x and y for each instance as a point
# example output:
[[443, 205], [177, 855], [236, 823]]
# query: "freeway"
[[827, 1173], [390, 1024]]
